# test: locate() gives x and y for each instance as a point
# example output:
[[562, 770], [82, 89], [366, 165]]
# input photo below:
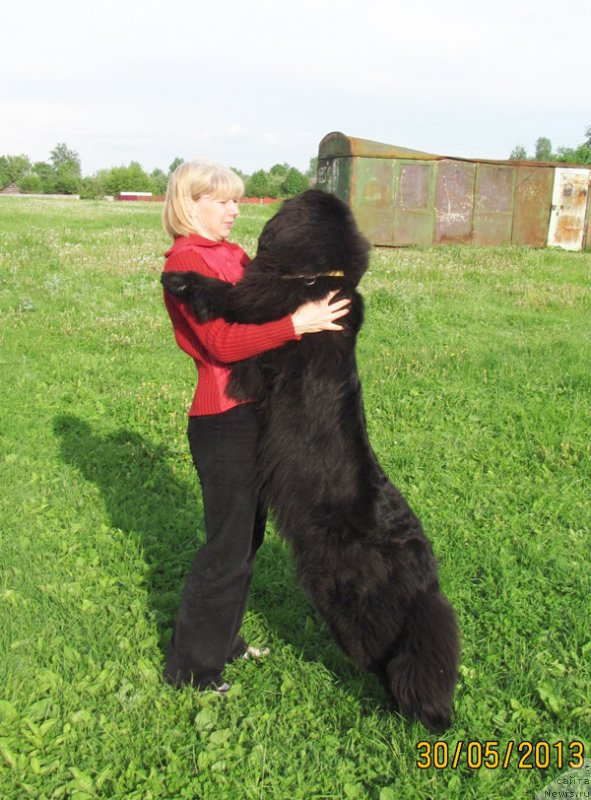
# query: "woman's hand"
[[320, 315]]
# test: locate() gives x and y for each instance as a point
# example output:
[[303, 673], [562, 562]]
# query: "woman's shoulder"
[[224, 260], [193, 242], [181, 259]]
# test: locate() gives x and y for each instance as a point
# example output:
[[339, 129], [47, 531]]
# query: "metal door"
[[414, 210], [372, 198], [569, 204], [493, 204], [533, 202], [454, 201]]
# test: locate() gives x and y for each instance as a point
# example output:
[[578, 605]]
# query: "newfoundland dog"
[[361, 552]]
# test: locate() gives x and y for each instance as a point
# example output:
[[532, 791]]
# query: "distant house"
[[12, 188], [143, 196]]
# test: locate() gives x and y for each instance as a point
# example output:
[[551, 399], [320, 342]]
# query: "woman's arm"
[[216, 339], [229, 342]]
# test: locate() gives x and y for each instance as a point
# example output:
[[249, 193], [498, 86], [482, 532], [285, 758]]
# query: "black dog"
[[361, 552]]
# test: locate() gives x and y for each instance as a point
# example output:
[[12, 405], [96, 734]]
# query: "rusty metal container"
[[407, 197]]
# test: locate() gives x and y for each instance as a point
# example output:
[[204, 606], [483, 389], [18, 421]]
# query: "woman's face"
[[213, 217]]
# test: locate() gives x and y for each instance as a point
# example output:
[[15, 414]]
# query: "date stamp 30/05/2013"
[[493, 754]]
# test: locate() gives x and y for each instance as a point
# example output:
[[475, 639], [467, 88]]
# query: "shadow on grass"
[[146, 500], [143, 498]]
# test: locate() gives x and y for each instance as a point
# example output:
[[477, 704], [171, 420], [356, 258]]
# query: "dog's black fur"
[[361, 552]]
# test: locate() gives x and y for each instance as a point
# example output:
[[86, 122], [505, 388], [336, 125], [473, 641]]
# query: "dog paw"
[[191, 289], [200, 308], [175, 282]]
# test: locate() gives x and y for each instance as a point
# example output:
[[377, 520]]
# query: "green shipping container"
[[407, 197]]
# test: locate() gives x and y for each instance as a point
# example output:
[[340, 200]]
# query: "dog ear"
[[266, 238]]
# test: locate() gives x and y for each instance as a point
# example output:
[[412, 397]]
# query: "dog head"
[[313, 234]]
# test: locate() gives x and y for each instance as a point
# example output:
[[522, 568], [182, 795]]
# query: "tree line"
[[543, 151], [62, 174]]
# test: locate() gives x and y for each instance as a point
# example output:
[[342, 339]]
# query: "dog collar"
[[337, 273]]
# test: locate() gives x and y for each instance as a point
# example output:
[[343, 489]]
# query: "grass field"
[[476, 372]]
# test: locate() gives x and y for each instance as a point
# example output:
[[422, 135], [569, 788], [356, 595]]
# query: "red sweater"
[[214, 344]]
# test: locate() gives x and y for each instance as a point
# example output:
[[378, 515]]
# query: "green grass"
[[475, 366]]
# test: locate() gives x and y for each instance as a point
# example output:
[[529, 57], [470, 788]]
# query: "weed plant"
[[475, 368]]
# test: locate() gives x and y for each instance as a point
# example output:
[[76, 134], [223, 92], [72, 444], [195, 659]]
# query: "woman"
[[200, 209]]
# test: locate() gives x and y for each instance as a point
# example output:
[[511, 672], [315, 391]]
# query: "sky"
[[252, 83]]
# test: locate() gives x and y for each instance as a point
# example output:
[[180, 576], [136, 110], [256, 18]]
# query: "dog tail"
[[422, 673]]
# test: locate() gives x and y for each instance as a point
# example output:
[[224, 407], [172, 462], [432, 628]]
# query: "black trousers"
[[206, 632]]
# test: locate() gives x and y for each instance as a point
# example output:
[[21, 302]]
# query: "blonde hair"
[[192, 180]]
